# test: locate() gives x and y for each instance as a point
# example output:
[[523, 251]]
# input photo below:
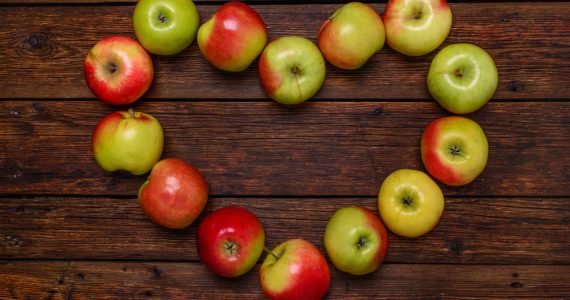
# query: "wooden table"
[[69, 230]]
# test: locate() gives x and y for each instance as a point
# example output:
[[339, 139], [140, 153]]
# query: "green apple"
[[416, 27], [355, 240], [454, 150], [462, 78], [291, 70], [128, 140], [166, 27], [351, 36], [410, 203]]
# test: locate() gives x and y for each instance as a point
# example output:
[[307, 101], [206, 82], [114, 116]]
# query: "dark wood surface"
[[69, 230]]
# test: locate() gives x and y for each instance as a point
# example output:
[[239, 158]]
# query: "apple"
[[356, 241], [454, 150], [291, 70], [174, 194], [118, 70], [233, 37], [230, 241], [416, 27], [462, 78], [351, 36], [410, 203], [128, 140], [166, 27], [295, 270]]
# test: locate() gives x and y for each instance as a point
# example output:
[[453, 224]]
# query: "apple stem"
[[131, 112], [270, 252]]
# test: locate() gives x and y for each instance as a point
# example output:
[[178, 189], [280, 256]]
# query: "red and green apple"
[[128, 140], [118, 70], [233, 37], [351, 36], [295, 270], [454, 150], [230, 241], [355, 240], [174, 194], [291, 70], [410, 203]]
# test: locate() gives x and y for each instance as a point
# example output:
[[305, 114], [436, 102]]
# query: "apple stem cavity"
[[459, 73], [231, 247], [362, 242], [407, 201], [454, 150], [270, 252]]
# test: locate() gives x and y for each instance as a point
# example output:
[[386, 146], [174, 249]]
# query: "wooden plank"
[[47, 53], [128, 280], [472, 230], [259, 148]]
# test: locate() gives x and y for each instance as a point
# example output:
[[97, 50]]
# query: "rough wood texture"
[[258, 148], [45, 57], [496, 230], [128, 280]]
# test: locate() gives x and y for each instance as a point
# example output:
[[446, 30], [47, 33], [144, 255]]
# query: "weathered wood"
[[160, 280], [472, 230], [259, 148], [43, 57]]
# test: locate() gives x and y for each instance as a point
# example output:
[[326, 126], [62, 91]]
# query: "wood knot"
[[12, 241], [517, 285], [516, 86], [515, 275], [61, 279], [456, 246], [80, 276], [36, 40], [156, 272]]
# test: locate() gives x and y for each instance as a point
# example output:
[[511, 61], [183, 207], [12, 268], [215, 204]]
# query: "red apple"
[[230, 241], [118, 70], [233, 37], [295, 270], [128, 140], [174, 194]]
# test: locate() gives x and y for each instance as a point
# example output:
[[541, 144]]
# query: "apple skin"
[[291, 70], [230, 241], [417, 27], [118, 70], [410, 203], [351, 36], [356, 241], [301, 272], [462, 78], [454, 150], [166, 27], [174, 194], [233, 37], [127, 140]]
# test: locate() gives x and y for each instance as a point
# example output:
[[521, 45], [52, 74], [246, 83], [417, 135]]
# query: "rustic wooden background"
[[69, 230]]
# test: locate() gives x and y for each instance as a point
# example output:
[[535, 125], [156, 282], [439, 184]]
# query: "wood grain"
[[43, 57], [129, 280], [259, 148], [471, 231]]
